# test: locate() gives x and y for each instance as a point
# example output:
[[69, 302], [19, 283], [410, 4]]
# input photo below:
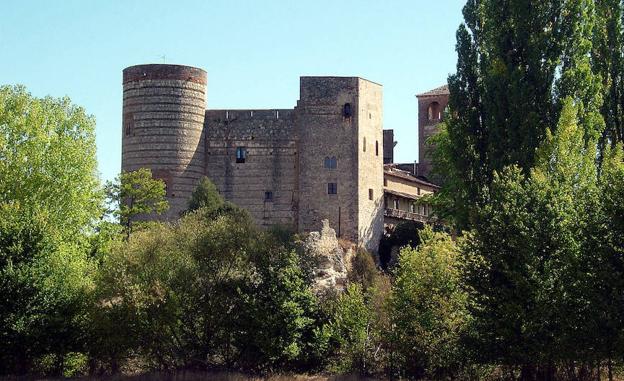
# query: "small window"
[[418, 191], [364, 144], [330, 162], [241, 154], [128, 122], [396, 203], [413, 208], [346, 110], [370, 194], [376, 148], [332, 188], [385, 182], [268, 196]]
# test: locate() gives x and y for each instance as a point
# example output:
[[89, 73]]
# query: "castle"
[[322, 159]]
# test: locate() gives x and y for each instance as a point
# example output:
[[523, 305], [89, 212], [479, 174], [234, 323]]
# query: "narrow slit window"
[[241, 154], [370, 194], [376, 147], [364, 144]]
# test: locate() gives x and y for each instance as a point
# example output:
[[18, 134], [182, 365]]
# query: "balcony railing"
[[405, 215]]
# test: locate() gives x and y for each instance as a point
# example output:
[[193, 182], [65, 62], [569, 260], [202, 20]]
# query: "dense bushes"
[[209, 291]]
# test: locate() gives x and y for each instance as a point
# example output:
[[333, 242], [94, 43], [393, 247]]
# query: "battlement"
[[249, 114]]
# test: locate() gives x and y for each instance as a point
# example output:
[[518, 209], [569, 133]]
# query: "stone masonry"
[[321, 160]]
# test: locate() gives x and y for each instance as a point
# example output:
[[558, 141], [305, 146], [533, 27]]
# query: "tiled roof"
[[390, 170], [442, 90], [401, 194]]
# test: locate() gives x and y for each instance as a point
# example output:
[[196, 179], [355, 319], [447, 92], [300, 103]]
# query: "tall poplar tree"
[[516, 60], [608, 61]]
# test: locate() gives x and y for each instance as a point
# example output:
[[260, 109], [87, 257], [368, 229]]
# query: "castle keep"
[[323, 159]]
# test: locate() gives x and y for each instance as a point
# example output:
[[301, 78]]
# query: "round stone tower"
[[163, 122]]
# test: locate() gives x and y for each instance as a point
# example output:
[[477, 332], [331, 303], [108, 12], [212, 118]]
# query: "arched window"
[[327, 162], [433, 113]]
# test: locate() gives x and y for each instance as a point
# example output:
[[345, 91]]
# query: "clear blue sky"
[[253, 51]]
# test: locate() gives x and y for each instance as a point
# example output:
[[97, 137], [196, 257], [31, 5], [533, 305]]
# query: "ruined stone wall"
[[269, 140], [163, 120], [325, 130], [370, 164]]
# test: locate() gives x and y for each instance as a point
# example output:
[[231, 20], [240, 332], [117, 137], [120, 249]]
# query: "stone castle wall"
[[370, 163], [269, 140], [284, 178]]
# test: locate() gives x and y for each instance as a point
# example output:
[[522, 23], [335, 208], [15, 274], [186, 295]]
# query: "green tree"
[[608, 60], [352, 328], [205, 195], [428, 308], [525, 266], [604, 262], [517, 60], [49, 202], [47, 159], [134, 194]]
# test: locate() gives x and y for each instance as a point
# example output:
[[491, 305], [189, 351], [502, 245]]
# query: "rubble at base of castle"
[[333, 261]]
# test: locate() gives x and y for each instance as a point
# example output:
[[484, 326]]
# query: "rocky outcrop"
[[333, 259]]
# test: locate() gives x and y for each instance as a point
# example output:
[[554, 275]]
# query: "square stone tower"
[[339, 123], [431, 106]]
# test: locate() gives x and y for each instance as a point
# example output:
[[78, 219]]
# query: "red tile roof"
[[442, 90]]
